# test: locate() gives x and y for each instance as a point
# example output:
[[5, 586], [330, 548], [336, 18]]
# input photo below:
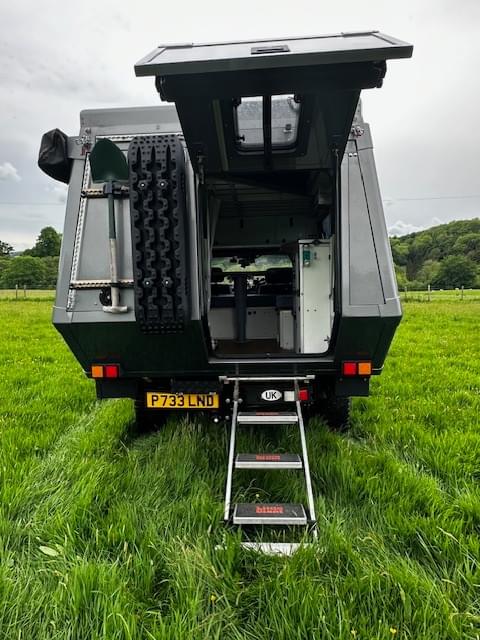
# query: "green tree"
[[428, 272], [419, 250], [5, 248], [401, 277], [468, 245], [399, 251], [47, 244], [50, 265], [456, 271], [25, 271], [4, 262]]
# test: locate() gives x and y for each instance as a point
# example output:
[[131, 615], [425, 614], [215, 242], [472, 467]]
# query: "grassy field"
[[105, 534], [29, 294], [441, 295]]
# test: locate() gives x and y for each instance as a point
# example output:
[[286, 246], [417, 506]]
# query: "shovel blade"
[[107, 162]]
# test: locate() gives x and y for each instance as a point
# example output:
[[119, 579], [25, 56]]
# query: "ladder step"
[[281, 514], [268, 461], [275, 548], [271, 548], [267, 417]]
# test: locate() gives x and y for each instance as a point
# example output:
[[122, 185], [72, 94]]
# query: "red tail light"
[[363, 369], [112, 370], [349, 368], [303, 395], [105, 370]]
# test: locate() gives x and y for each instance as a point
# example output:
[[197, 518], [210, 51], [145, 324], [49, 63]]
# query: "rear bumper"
[[136, 388]]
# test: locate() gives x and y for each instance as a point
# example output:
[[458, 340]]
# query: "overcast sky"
[[59, 57]]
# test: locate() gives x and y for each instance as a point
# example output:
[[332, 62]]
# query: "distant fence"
[[24, 293], [440, 295], [431, 295]]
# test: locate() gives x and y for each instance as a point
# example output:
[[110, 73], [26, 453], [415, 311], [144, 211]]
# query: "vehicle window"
[[249, 122], [261, 263]]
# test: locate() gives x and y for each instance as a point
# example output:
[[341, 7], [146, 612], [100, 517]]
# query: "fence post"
[[462, 293], [16, 292], [429, 290], [405, 287], [24, 290]]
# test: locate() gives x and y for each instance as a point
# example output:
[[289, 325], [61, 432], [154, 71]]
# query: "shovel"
[[108, 165]]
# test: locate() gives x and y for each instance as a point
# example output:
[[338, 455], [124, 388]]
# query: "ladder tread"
[[269, 514], [267, 417], [268, 461]]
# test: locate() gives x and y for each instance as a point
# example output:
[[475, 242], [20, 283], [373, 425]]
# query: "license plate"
[[160, 400]]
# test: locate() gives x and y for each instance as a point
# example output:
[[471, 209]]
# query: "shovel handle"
[[111, 217]]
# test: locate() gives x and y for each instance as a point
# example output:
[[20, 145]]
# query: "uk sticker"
[[272, 395]]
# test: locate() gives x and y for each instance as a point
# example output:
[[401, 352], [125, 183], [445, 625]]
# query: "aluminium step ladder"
[[273, 514]]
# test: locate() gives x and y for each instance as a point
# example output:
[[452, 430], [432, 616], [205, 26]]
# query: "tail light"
[[105, 371], [303, 395], [363, 369]]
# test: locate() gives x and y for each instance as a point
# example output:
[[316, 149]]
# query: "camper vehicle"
[[227, 251]]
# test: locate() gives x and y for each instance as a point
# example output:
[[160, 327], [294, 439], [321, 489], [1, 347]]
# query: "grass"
[[107, 535], [441, 295], [28, 294]]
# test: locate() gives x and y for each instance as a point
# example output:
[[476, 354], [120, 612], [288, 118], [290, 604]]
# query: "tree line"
[[445, 257], [35, 268]]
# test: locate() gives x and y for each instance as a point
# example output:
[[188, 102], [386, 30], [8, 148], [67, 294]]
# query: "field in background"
[[447, 295], [27, 294], [108, 535], [441, 295]]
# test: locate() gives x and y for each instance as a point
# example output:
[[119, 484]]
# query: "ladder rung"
[[267, 417], [268, 461], [273, 514], [275, 548]]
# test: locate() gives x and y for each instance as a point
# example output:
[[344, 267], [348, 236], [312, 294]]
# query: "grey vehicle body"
[[311, 195]]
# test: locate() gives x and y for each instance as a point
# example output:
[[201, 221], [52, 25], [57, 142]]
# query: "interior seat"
[[278, 281], [218, 287]]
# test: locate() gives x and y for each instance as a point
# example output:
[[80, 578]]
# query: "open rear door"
[[269, 106]]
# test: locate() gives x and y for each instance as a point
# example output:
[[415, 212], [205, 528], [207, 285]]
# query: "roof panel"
[[269, 54]]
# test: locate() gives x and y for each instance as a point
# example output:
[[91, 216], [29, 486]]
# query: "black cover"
[[53, 156]]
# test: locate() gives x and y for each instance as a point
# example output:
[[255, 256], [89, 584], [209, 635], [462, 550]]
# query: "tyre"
[[336, 412], [147, 419]]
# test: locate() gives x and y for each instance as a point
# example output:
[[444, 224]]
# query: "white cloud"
[[9, 172], [59, 192], [401, 228]]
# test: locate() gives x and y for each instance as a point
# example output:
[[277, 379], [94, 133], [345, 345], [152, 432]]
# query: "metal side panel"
[[84, 256], [367, 267], [370, 307]]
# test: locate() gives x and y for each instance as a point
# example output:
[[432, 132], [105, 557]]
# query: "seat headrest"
[[217, 275], [279, 275]]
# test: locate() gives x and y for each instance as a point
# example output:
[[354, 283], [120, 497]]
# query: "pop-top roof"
[[270, 54], [319, 79]]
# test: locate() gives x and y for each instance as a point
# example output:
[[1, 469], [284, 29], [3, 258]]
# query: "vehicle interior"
[[255, 287], [266, 125], [252, 306]]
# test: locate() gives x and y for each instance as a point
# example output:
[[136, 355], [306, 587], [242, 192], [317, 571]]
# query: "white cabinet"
[[314, 300]]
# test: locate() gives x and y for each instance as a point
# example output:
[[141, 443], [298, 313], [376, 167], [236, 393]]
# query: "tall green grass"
[[105, 534]]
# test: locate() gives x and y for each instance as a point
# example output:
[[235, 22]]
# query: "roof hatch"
[[269, 105]]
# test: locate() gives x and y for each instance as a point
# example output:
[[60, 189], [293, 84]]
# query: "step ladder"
[[273, 514]]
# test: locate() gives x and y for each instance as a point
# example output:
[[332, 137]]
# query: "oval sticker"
[[272, 395]]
